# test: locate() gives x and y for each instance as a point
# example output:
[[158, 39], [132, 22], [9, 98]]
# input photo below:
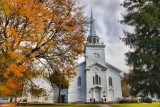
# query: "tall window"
[[93, 81], [79, 81], [96, 78], [99, 80], [110, 81]]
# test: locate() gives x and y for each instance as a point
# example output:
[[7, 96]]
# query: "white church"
[[96, 80]]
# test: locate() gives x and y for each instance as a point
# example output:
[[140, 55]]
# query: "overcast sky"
[[106, 15]]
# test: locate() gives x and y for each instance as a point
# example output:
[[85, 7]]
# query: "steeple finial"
[[93, 37], [92, 28]]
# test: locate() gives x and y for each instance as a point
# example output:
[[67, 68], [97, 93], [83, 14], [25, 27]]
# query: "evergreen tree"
[[144, 58]]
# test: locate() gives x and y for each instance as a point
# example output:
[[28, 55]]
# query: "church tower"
[[96, 68], [95, 51]]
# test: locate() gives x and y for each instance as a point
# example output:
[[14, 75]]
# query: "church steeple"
[[92, 28], [93, 37]]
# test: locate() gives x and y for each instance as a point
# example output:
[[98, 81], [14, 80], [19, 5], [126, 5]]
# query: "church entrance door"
[[97, 94], [79, 94], [111, 94]]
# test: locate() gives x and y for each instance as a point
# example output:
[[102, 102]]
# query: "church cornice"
[[96, 45], [113, 67], [98, 64], [96, 86], [104, 68]]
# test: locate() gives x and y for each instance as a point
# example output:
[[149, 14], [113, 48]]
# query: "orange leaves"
[[5, 91], [16, 55], [39, 32], [17, 70], [34, 12], [70, 72], [11, 68], [10, 86], [11, 83], [69, 24], [12, 32]]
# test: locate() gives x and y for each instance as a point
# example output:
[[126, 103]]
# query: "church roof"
[[104, 67], [113, 67]]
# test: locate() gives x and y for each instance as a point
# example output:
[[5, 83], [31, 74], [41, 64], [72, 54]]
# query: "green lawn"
[[136, 105], [85, 105]]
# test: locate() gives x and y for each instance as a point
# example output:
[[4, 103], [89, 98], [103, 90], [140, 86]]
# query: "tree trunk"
[[11, 99], [15, 99], [59, 96]]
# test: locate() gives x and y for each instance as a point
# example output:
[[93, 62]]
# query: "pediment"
[[113, 67], [103, 68]]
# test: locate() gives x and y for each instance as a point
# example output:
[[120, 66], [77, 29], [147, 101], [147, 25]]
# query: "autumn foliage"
[[125, 86], [38, 35]]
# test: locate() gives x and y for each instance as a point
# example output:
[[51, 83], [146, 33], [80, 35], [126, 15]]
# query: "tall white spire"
[[92, 27], [93, 37]]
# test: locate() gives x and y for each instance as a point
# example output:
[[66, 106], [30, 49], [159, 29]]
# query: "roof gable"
[[104, 68], [113, 67]]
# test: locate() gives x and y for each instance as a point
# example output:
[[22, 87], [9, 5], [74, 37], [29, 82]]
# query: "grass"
[[136, 105], [73, 105]]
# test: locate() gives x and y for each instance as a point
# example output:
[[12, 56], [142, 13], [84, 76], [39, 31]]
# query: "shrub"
[[24, 100], [133, 101], [147, 100], [128, 101], [123, 101]]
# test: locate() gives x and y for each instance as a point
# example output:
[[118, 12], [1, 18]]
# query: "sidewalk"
[[6, 104]]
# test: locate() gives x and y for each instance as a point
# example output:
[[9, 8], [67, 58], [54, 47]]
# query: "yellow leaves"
[[6, 7]]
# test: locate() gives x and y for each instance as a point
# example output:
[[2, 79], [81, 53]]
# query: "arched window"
[[96, 79], [93, 81], [110, 81], [79, 81], [99, 80]]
